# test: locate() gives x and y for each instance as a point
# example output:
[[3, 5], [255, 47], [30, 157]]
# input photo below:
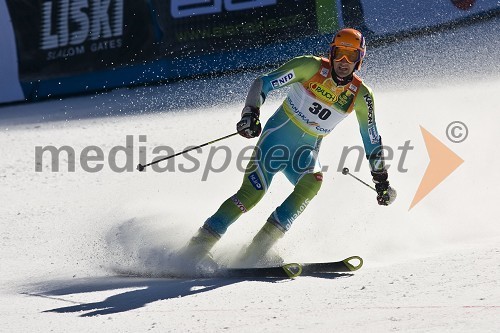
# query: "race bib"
[[314, 112]]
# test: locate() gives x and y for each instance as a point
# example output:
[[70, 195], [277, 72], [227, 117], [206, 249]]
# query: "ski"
[[293, 270], [285, 271]]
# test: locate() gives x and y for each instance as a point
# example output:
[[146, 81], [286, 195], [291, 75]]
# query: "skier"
[[322, 93]]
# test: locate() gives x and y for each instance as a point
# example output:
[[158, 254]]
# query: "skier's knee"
[[246, 198], [310, 184]]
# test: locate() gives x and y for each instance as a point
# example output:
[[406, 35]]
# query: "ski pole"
[[141, 167], [345, 171]]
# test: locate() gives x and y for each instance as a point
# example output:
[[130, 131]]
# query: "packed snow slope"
[[433, 268]]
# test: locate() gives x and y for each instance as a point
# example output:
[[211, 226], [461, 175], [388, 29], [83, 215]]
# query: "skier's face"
[[343, 68]]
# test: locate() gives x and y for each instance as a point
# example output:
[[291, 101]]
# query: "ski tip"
[[293, 270], [353, 266]]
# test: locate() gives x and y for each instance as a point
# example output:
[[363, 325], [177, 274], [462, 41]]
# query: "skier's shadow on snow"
[[145, 291]]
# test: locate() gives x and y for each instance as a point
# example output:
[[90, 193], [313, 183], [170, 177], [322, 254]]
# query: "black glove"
[[249, 126], [385, 193]]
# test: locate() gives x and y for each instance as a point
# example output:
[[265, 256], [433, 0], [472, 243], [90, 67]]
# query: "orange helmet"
[[349, 44]]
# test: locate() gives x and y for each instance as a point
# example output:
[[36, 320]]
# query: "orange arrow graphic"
[[442, 163]]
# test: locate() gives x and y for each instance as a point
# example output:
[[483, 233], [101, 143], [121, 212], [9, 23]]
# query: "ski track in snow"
[[435, 268]]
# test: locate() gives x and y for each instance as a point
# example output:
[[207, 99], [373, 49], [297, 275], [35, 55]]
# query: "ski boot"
[[197, 252], [260, 252]]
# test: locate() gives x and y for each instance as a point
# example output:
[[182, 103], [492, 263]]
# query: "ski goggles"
[[350, 55]]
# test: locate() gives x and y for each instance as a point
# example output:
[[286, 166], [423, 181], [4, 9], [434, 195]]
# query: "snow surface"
[[434, 268]]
